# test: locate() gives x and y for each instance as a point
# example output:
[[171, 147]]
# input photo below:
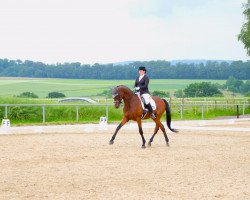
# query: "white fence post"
[[6, 111], [43, 114], [202, 110], [77, 113], [243, 109], [181, 111], [107, 112]]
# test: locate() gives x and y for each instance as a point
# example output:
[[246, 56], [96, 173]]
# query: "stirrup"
[[144, 114], [153, 116]]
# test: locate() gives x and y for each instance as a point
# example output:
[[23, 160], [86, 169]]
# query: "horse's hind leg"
[[155, 132], [141, 133], [124, 120], [164, 133]]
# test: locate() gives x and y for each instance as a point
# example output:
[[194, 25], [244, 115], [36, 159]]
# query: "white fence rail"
[[6, 106], [181, 107], [203, 106]]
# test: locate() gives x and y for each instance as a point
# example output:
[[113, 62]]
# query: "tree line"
[[159, 69], [208, 89]]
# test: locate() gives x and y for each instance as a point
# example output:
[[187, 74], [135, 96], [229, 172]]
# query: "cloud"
[[111, 30]]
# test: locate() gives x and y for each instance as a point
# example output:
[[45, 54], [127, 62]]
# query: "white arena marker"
[[5, 123], [231, 121], [5, 126], [103, 124]]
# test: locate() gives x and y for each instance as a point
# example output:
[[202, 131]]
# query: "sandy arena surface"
[[197, 165], [242, 124]]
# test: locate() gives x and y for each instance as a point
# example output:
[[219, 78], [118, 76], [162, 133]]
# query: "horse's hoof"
[[143, 147], [167, 144], [111, 142], [149, 144]]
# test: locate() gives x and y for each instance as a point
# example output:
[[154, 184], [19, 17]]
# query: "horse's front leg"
[[124, 121], [141, 133]]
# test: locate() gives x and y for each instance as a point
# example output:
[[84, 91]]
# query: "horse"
[[133, 111]]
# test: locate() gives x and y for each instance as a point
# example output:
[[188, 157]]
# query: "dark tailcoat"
[[143, 84]]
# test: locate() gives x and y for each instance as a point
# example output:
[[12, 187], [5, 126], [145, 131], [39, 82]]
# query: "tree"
[[106, 93], [28, 95], [160, 94], [233, 84], [245, 88], [179, 93], [244, 35], [55, 95], [203, 89]]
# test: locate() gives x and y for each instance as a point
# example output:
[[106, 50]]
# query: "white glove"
[[137, 88]]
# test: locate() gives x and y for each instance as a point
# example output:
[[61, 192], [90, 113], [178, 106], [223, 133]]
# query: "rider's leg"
[[148, 105], [151, 110], [145, 110], [144, 113]]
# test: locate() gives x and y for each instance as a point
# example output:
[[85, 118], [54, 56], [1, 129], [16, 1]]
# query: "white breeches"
[[148, 99]]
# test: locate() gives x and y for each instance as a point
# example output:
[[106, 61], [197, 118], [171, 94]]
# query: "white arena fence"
[[239, 108], [43, 106]]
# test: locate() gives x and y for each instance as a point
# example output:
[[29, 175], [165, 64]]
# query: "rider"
[[141, 85]]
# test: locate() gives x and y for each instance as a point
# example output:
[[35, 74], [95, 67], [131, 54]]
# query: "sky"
[[96, 31]]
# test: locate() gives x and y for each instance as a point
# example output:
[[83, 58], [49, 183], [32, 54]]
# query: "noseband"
[[118, 102]]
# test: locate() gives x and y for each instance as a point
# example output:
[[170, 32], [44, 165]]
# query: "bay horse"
[[133, 111]]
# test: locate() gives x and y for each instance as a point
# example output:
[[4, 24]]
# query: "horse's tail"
[[168, 116]]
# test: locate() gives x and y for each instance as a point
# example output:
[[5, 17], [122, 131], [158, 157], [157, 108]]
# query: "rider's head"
[[142, 70]]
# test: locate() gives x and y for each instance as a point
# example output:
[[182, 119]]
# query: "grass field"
[[79, 87], [74, 87]]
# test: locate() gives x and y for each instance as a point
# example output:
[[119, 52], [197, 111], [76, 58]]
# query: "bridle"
[[116, 94]]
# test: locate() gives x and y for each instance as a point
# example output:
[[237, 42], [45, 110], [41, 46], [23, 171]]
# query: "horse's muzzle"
[[117, 104]]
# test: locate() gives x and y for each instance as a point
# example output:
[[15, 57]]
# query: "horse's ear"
[[114, 91]]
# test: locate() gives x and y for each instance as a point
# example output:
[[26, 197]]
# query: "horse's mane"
[[125, 87]]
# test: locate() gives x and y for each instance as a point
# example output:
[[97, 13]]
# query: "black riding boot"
[[144, 113], [151, 110]]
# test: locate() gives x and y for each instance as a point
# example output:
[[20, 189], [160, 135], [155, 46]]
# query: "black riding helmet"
[[142, 68]]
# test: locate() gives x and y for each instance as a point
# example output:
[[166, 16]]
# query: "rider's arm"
[[135, 83]]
